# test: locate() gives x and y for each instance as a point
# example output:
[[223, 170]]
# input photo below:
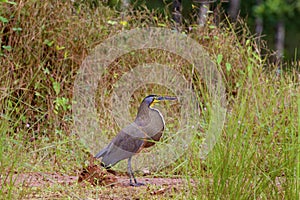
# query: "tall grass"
[[42, 47]]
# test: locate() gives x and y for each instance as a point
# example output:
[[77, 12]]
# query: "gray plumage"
[[146, 129]]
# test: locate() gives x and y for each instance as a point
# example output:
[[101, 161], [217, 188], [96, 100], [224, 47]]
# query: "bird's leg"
[[131, 175]]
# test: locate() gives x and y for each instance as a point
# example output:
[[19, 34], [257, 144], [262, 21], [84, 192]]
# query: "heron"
[[143, 132]]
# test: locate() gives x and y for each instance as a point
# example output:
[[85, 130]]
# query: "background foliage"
[[44, 43]]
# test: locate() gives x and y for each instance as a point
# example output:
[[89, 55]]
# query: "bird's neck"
[[143, 113], [148, 115]]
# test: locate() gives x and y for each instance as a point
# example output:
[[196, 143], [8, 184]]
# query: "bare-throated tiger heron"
[[146, 129]]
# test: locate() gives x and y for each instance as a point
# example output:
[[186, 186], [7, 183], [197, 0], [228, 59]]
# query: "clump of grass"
[[43, 46]]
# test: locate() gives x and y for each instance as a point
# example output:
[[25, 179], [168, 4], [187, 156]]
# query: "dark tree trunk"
[[234, 8], [177, 17], [202, 14], [258, 30], [124, 7], [280, 36], [125, 4], [259, 24]]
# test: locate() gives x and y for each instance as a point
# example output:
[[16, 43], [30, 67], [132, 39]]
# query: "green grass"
[[256, 157]]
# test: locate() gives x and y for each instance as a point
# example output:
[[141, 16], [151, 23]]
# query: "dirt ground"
[[96, 176], [39, 179]]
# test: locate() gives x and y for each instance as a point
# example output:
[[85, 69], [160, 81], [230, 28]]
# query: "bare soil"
[[94, 175]]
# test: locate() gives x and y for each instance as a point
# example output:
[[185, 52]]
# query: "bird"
[[143, 132]]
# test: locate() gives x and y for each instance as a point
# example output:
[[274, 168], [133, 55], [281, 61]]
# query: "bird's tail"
[[101, 153]]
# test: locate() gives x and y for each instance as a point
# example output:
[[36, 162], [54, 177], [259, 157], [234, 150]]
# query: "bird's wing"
[[101, 153], [127, 143]]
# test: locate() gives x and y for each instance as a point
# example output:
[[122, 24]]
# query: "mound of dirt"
[[97, 176]]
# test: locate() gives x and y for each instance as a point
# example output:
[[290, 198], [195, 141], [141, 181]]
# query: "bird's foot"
[[137, 184]]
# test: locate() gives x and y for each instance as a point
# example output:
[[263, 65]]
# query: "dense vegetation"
[[42, 47], [275, 21]]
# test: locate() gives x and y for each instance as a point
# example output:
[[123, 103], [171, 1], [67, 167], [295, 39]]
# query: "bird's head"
[[152, 99]]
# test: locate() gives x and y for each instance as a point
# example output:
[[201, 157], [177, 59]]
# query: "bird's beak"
[[160, 98], [166, 98]]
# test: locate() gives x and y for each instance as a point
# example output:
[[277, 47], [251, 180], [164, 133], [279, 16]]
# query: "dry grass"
[[43, 45]]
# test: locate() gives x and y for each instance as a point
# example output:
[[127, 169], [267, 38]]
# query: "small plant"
[[61, 104]]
